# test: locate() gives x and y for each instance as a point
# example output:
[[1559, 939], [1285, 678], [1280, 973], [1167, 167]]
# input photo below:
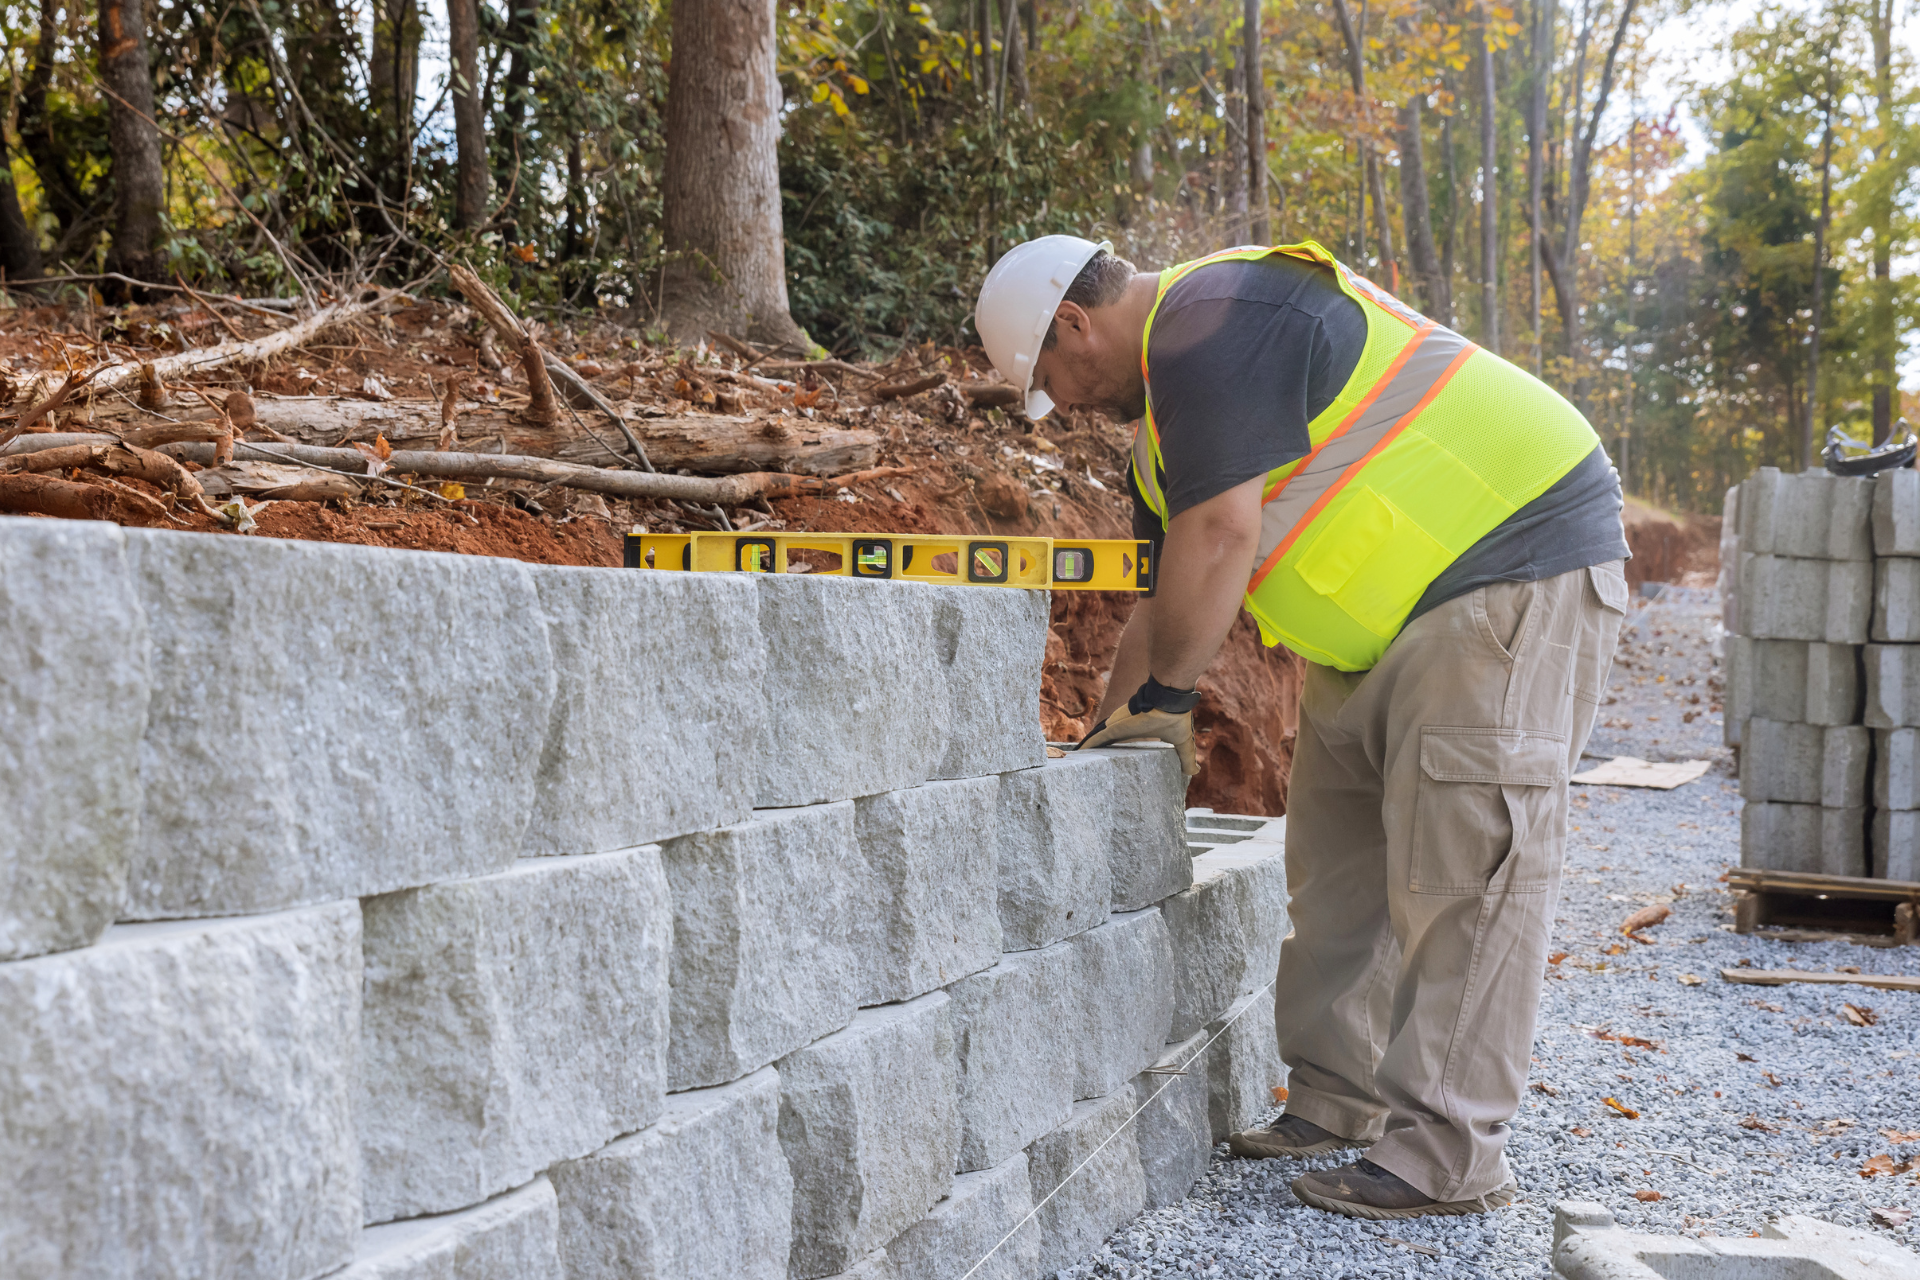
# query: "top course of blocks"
[[1812, 516]]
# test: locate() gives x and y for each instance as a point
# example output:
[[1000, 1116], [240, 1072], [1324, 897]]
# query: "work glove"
[[1154, 711]]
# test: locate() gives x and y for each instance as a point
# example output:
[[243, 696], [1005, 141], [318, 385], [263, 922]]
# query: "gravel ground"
[[1753, 1102]]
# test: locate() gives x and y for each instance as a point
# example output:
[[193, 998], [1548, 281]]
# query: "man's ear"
[[1071, 317]]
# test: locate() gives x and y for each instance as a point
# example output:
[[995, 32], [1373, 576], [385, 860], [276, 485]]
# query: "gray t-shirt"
[[1245, 355]]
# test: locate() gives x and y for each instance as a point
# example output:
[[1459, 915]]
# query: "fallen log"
[[278, 481], [114, 459], [991, 395], [43, 495], [908, 387], [541, 408], [713, 444]]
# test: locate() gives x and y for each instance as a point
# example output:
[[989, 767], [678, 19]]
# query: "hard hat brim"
[[1039, 404]]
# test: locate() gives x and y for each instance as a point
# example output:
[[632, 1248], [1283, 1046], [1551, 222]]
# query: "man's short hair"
[[1101, 283]]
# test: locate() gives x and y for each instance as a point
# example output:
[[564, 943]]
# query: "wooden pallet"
[[1801, 907]]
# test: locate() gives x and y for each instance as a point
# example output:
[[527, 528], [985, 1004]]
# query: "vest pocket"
[[1484, 818], [1373, 561]]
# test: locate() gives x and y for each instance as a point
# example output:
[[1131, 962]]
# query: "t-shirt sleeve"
[[1230, 379]]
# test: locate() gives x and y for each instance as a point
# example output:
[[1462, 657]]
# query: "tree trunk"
[[1543, 23], [19, 246], [1449, 247], [1014, 81], [1578, 186], [1376, 186], [45, 144], [393, 73], [1489, 203], [722, 182], [513, 177], [1259, 223], [1435, 297], [1882, 326], [139, 187], [1233, 138], [469, 115], [1807, 434]]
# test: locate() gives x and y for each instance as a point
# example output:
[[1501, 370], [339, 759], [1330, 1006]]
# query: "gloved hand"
[[1154, 711]]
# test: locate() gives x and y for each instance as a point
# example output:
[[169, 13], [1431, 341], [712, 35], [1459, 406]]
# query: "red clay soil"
[[1680, 548]]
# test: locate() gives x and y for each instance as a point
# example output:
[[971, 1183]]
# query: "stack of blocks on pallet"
[[382, 914], [1824, 677]]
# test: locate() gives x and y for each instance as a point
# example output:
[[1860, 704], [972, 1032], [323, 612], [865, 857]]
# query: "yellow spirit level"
[[1062, 564]]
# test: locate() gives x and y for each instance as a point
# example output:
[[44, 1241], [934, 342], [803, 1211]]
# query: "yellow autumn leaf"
[[859, 85], [928, 64], [452, 491], [840, 106], [820, 92]]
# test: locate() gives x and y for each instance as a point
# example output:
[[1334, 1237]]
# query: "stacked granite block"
[[373, 913], [1893, 678]]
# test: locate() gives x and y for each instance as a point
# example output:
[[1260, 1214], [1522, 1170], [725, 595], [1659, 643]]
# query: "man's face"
[[1088, 369]]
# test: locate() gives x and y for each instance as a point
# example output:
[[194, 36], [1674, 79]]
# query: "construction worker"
[[1438, 534]]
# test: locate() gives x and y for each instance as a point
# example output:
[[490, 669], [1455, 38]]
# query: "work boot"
[[1288, 1136], [1364, 1190]]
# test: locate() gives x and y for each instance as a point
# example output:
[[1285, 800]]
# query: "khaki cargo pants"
[[1426, 823]]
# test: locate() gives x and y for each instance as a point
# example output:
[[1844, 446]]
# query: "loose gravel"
[[1753, 1101]]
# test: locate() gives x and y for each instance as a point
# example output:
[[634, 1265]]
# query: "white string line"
[[1116, 1133]]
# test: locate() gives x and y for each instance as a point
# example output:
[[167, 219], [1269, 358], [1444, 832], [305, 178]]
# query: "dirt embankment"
[[1669, 547]]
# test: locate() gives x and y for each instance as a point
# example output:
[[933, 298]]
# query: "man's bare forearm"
[[1129, 660], [1204, 567]]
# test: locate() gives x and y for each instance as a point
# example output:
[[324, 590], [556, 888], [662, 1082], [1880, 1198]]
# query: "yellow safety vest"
[[1432, 443]]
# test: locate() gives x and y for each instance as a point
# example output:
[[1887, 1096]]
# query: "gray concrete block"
[[652, 728], [1833, 684], [1243, 1065], [1122, 995], [1226, 931], [1588, 1244], [1804, 837], [1896, 600], [870, 1123], [1896, 768], [856, 696], [1172, 1130], [931, 914], [1810, 513], [990, 646], [1055, 822], [1896, 513], [1792, 680], [73, 700], [875, 1266], [178, 1100], [762, 961], [1014, 1041], [1102, 1197], [702, 1194], [1148, 859], [1892, 686], [985, 1209], [513, 1236], [1737, 671], [1792, 599], [510, 1021], [330, 721], [1805, 763], [1894, 845]]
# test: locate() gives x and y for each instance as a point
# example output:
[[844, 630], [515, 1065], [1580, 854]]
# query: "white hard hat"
[[1017, 303]]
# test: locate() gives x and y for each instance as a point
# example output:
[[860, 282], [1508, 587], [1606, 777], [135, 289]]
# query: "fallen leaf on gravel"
[[1755, 1122], [1897, 1138], [1645, 918], [1772, 1079], [1547, 1089], [1690, 979], [1622, 1108], [1581, 1131], [1891, 1217], [1613, 950], [1647, 1197], [1768, 1005], [1427, 1249], [1745, 1057], [1859, 1015], [1279, 1092], [1885, 1164], [1556, 957]]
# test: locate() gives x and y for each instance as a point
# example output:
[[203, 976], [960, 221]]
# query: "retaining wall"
[[374, 913]]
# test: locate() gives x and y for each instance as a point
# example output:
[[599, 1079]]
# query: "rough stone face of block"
[[856, 697], [1896, 600], [1103, 1197], [1895, 846], [870, 1122], [1790, 599], [299, 754], [1896, 768], [177, 1100], [1833, 684], [1243, 1065], [762, 961], [1893, 686], [1805, 763], [1172, 1129], [1804, 837], [1148, 859], [1737, 668], [1896, 513], [1014, 1036], [932, 913], [1054, 826], [702, 1194], [1123, 1000], [510, 1237], [875, 1266], [1793, 680], [1226, 931], [73, 698], [978, 1214], [990, 646], [510, 1021], [652, 727], [1811, 514]]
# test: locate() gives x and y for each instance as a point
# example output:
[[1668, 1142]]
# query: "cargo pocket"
[[1483, 820], [1593, 659]]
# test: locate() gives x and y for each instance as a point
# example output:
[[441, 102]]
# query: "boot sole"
[[1498, 1198], [1247, 1149]]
